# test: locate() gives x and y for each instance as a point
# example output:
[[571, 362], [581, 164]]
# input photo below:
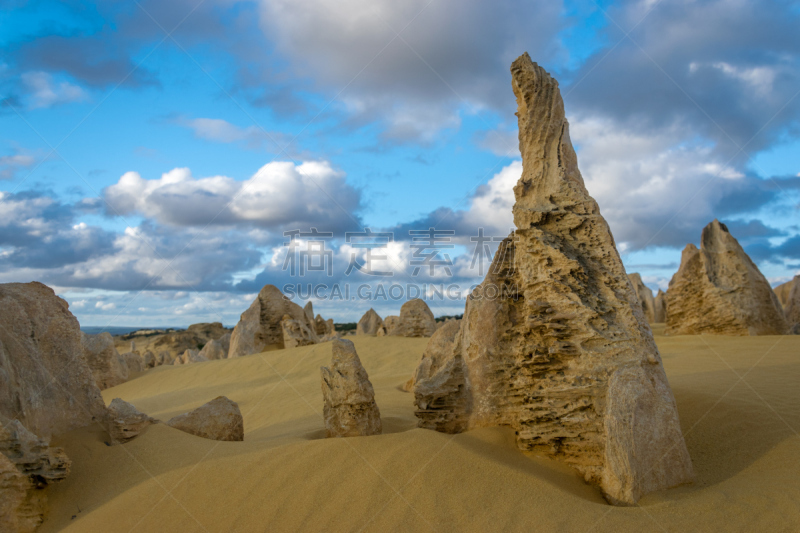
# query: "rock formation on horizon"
[[416, 320], [125, 422], [565, 355], [219, 419], [645, 297], [324, 327], [259, 328], [174, 342], [661, 307], [719, 290], [369, 323], [349, 406], [389, 326], [44, 381]]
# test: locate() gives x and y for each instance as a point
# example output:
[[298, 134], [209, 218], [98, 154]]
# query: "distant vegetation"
[[347, 326], [445, 317]]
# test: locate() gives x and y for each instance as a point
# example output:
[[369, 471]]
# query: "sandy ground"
[[739, 403]]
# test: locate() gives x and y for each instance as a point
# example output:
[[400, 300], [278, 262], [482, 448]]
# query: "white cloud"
[[760, 78], [45, 92], [278, 195], [10, 164]]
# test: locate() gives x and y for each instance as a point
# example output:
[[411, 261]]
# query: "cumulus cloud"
[[278, 196], [654, 189], [730, 79], [448, 56], [43, 91]]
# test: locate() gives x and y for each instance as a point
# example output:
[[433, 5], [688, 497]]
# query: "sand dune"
[[741, 434]]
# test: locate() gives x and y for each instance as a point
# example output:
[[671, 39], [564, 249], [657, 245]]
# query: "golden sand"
[[738, 398]]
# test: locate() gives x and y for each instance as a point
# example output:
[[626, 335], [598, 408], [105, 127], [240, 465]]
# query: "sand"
[[738, 399]]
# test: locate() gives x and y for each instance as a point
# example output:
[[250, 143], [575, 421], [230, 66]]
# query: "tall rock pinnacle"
[[564, 355]]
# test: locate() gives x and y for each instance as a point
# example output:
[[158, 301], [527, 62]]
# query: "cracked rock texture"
[[719, 290], [349, 407], [298, 332], [645, 297], [125, 422], [259, 328], [565, 355], [27, 465], [219, 419], [44, 381]]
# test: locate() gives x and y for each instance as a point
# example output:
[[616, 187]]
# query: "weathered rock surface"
[[416, 320], [27, 465], [719, 290], [189, 356], [297, 333], [217, 348], [125, 422], [149, 359], [44, 381], [219, 419], [438, 351], [349, 405], [389, 327], [174, 342], [782, 291], [660, 307], [324, 327], [164, 358], [133, 362], [564, 355], [107, 366], [259, 328], [369, 323], [645, 297], [308, 309], [792, 307]]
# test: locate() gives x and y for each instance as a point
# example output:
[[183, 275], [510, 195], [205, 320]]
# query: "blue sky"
[[152, 154]]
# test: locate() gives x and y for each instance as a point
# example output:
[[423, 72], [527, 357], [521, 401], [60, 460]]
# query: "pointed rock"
[[125, 422], [645, 297], [44, 380], [389, 327], [369, 323], [219, 419], [660, 307], [324, 327], [259, 328], [309, 312], [349, 400], [782, 291], [719, 290], [217, 348], [563, 354]]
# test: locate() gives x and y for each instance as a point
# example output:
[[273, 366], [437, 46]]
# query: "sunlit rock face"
[[719, 290], [565, 356]]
